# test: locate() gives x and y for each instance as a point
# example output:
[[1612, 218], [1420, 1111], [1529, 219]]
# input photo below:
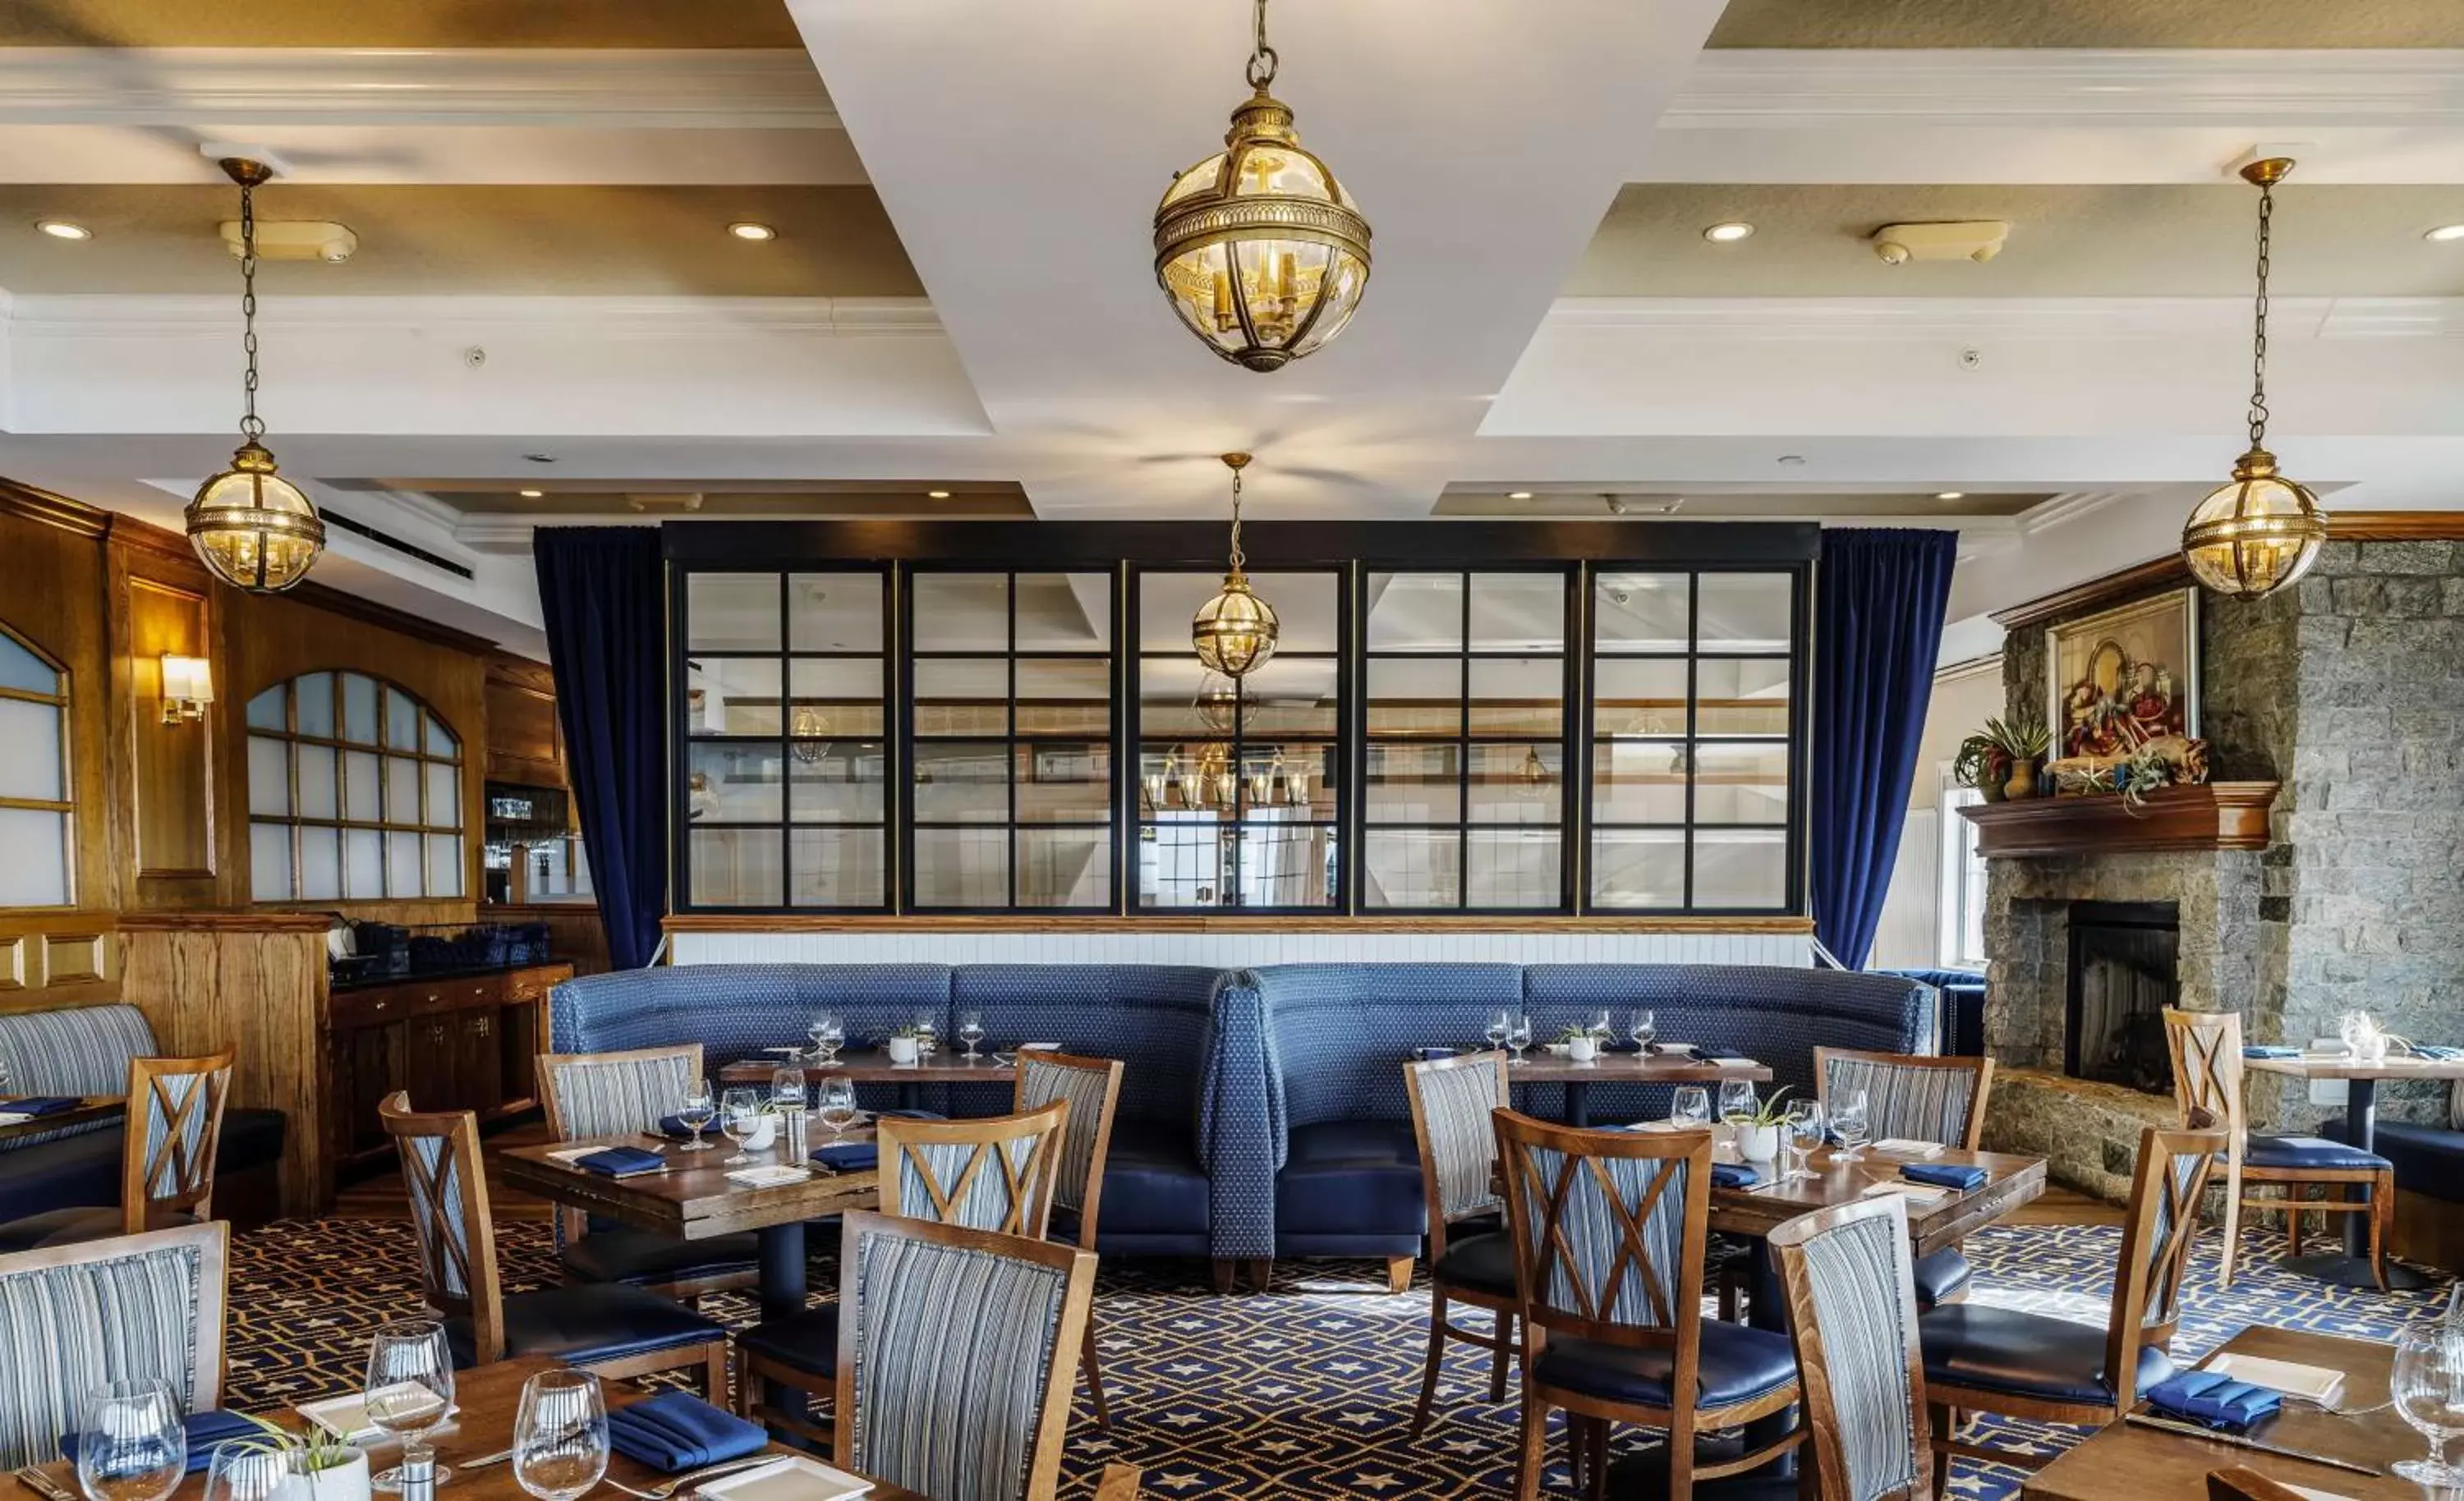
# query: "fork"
[[666, 1489], [40, 1484]]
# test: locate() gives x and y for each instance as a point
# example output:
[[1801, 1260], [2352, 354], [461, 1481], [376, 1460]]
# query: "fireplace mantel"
[[2220, 815]]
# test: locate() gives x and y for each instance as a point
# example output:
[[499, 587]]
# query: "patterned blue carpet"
[[1301, 1395]]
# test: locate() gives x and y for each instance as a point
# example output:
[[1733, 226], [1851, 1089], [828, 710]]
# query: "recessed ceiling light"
[[2446, 232], [747, 229], [1952, 494], [532, 495], [1518, 494], [937, 494], [63, 229], [1728, 233], [1792, 459]]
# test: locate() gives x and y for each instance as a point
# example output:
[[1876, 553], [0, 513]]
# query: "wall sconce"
[[188, 687]]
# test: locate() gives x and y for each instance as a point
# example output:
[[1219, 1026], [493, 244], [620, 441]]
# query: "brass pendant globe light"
[[1235, 631], [253, 528], [2259, 531], [1262, 253]]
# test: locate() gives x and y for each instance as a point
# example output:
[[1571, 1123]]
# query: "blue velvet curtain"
[[1878, 601], [601, 589]]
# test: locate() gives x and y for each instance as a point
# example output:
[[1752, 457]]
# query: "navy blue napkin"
[[1432, 1055], [206, 1431], [1735, 1175], [848, 1156], [677, 1431], [2214, 1401], [615, 1161], [2270, 1050], [673, 1126], [1945, 1175], [40, 1104]]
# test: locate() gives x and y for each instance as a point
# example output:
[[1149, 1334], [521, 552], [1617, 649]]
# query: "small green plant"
[[1571, 1031], [315, 1451], [1980, 761], [910, 1033], [1768, 1112], [2022, 737]]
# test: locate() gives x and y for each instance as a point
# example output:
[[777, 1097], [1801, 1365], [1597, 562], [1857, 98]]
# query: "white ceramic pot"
[[765, 1132], [347, 1481], [1758, 1143], [1582, 1050], [905, 1050]]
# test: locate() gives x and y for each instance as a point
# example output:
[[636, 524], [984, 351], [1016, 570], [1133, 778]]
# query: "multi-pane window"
[[36, 833], [1690, 740], [353, 794], [1464, 797], [1239, 785], [787, 754], [1011, 792]]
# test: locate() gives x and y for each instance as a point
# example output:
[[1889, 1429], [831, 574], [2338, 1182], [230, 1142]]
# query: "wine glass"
[[132, 1444], [409, 1390], [740, 1120], [971, 1030], [1500, 1023], [787, 1088], [1643, 1026], [247, 1470], [2428, 1385], [1600, 1029], [695, 1116], [1737, 1104], [1848, 1122], [561, 1435], [1690, 1105], [835, 1103], [1518, 1036], [829, 1034], [1806, 1126]]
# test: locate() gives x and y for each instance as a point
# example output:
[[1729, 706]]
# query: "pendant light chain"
[[250, 425], [2258, 337], [1240, 560], [1264, 59]]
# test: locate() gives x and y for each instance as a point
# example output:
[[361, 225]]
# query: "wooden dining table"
[[488, 1397], [88, 1110], [2352, 1267], [1544, 1067], [872, 1066], [2144, 1464]]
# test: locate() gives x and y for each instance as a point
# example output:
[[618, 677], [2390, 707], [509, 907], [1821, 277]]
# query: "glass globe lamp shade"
[[1259, 249], [2256, 533], [1235, 631], [253, 527]]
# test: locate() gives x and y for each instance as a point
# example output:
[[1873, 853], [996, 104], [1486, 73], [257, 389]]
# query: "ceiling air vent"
[[335, 518]]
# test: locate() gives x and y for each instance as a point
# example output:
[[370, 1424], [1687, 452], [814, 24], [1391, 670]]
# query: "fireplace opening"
[[2122, 976]]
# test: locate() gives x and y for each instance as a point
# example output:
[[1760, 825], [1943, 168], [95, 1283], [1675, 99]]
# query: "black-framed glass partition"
[[1460, 717]]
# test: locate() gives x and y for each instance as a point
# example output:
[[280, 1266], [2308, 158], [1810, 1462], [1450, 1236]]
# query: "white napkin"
[[768, 1176], [1900, 1146], [1922, 1192]]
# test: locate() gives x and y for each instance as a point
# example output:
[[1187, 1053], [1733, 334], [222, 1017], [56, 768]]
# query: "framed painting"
[[2117, 679]]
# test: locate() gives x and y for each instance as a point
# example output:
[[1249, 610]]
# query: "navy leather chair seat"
[[1739, 1363], [2309, 1151], [583, 1324], [1482, 1263], [84, 1170], [807, 1341], [1156, 1198], [2428, 1159], [1351, 1188], [2025, 1355], [623, 1254], [1940, 1276]]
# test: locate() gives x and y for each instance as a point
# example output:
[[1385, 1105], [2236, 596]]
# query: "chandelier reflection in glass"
[[254, 529], [1235, 632], [2258, 531], [1262, 253]]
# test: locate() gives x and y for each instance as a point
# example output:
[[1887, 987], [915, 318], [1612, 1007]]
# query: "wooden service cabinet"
[[460, 1042]]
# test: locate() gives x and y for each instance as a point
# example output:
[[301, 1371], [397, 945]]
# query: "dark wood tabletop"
[[1933, 1224], [872, 1066], [95, 1107], [488, 1397], [1541, 1067], [692, 1199], [2155, 1465]]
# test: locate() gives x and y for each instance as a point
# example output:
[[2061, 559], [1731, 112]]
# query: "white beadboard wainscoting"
[[1233, 950]]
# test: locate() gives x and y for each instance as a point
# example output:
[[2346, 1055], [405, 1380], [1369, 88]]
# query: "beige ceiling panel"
[[2066, 241], [2091, 23], [396, 23]]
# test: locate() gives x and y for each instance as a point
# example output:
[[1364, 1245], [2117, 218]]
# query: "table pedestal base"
[[2337, 1268]]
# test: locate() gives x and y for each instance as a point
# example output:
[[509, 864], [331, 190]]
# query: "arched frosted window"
[[36, 834], [353, 794]]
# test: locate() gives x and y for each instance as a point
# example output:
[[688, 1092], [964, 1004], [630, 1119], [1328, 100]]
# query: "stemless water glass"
[[928, 1035], [2428, 1385], [131, 1445], [740, 1121], [1806, 1126], [561, 1435], [1690, 1105], [971, 1030], [835, 1103], [1848, 1123], [409, 1390], [1737, 1106], [1643, 1026], [247, 1470], [1518, 1036], [695, 1116], [1500, 1024]]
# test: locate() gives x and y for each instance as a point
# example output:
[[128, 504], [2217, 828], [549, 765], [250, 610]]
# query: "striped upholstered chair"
[[1853, 1312], [163, 1290], [1092, 1087], [613, 1330], [618, 1094], [1452, 1099], [993, 1174], [167, 1174], [1609, 1227], [1915, 1098], [956, 1338]]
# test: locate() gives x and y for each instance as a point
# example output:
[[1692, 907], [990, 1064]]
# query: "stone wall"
[[2086, 1132]]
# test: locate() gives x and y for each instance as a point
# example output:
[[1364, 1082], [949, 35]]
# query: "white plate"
[[2312, 1382], [769, 1176], [347, 1418], [1899, 1146], [794, 1478], [1680, 1048]]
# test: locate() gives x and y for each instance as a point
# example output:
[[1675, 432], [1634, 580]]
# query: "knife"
[[2237, 1441]]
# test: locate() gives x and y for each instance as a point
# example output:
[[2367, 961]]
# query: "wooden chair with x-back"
[[1915, 1098], [1092, 1087], [167, 1157], [1849, 1280]]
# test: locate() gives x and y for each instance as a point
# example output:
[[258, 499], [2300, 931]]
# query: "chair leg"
[[1087, 1360], [2232, 1227], [2293, 1219], [1946, 1427], [1598, 1465], [1578, 1429], [1535, 1438], [1503, 1324], [1437, 1354], [713, 1375], [1680, 1456], [1223, 1268], [1399, 1273], [1261, 1273], [742, 1404], [2381, 1224]]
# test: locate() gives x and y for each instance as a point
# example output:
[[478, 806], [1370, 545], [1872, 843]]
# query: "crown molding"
[[192, 87], [2064, 508], [53, 511], [2396, 526], [104, 316], [2062, 318], [1789, 89], [2168, 572]]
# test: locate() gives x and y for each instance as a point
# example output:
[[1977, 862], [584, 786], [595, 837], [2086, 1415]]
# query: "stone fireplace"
[[2117, 981]]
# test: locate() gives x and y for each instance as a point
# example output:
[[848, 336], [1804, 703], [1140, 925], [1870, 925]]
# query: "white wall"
[[1963, 697]]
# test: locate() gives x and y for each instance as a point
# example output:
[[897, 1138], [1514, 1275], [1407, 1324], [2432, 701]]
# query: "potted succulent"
[[2023, 739], [1758, 1134], [1580, 1044], [906, 1045], [315, 1466], [1981, 765]]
